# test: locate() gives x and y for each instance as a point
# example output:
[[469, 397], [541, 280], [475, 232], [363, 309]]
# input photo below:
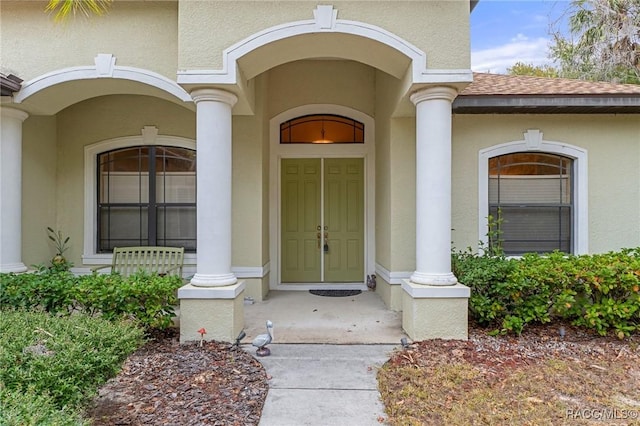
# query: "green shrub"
[[44, 289], [64, 359], [608, 292], [486, 275], [599, 292], [30, 408], [148, 299]]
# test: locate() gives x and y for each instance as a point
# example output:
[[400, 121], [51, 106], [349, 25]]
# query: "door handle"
[[318, 235]]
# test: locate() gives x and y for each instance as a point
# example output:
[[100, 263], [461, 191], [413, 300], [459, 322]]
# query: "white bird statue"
[[263, 340]]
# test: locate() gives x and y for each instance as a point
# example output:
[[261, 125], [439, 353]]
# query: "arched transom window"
[[531, 197], [321, 128], [147, 196]]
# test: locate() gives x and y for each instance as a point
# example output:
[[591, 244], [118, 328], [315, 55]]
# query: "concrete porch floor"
[[301, 317]]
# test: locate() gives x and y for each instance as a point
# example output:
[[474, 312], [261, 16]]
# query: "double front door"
[[322, 213]]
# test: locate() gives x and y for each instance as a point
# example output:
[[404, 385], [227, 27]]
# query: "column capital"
[[433, 93], [213, 95], [13, 113]]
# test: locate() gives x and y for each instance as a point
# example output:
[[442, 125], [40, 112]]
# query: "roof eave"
[[9, 84], [600, 104]]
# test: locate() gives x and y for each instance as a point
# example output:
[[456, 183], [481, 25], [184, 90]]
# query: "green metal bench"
[[154, 260]]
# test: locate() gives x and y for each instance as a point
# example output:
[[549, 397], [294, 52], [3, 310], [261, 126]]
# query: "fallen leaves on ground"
[[538, 378], [165, 383]]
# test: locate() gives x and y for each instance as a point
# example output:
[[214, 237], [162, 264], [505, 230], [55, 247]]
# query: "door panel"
[[344, 219], [300, 204], [303, 256]]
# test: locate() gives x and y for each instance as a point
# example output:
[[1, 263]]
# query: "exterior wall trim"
[[533, 142], [104, 68], [392, 277]]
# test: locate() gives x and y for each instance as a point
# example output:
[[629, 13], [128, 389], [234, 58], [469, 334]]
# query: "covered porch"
[[324, 66]]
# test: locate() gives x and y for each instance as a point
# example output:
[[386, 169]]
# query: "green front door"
[[322, 204]]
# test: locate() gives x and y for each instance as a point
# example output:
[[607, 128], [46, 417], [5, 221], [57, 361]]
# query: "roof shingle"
[[509, 85]]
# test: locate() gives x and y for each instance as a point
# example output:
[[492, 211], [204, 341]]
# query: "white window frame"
[[148, 136], [533, 142]]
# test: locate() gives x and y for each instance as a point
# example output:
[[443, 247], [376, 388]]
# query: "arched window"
[[531, 198], [530, 168], [321, 128], [146, 196]]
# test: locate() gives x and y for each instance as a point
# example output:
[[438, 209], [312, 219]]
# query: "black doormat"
[[335, 293]]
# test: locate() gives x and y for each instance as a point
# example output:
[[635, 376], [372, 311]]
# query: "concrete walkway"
[[321, 384]]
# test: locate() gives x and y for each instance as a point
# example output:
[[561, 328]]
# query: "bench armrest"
[[169, 270], [97, 268]]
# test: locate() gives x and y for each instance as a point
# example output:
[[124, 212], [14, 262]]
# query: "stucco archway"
[[50, 93], [325, 36]]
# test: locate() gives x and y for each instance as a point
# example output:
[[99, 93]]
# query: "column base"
[[434, 279], [219, 310], [435, 312], [13, 267], [211, 280]]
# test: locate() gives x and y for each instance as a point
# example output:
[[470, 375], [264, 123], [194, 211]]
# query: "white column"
[[213, 143], [11, 190], [433, 186]]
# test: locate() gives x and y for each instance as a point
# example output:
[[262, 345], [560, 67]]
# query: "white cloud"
[[520, 49]]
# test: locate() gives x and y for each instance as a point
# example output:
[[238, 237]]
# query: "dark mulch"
[[165, 383]]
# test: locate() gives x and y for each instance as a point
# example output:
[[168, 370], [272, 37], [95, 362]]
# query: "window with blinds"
[[532, 195], [147, 197]]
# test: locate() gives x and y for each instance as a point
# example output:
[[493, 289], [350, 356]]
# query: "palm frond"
[[62, 9]]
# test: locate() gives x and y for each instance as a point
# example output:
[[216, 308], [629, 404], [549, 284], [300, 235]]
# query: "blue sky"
[[505, 32]]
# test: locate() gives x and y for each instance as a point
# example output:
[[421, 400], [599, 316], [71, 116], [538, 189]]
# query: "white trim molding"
[[392, 277], [251, 271], [104, 67], [533, 141], [232, 291], [421, 291]]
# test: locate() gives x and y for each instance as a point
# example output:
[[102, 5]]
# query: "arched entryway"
[[326, 61], [322, 204]]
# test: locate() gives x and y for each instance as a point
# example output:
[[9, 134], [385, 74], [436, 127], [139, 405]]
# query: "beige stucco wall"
[[39, 190], [223, 319], [613, 146], [117, 116], [247, 192], [384, 90], [321, 82], [391, 294], [96, 120], [435, 318], [403, 194], [261, 107], [139, 34], [439, 28]]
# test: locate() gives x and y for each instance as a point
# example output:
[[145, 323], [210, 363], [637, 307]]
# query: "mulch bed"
[[165, 383]]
